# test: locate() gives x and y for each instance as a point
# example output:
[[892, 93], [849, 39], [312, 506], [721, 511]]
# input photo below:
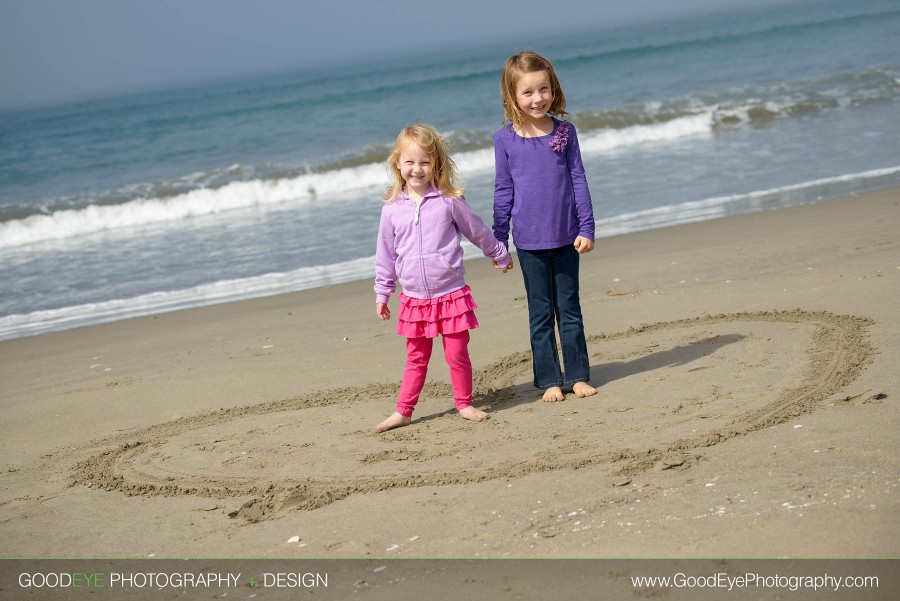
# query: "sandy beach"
[[747, 407]]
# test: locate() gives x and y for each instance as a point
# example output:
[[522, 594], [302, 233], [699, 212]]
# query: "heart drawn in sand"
[[676, 387]]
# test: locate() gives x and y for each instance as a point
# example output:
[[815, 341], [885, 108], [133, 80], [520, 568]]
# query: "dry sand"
[[747, 407]]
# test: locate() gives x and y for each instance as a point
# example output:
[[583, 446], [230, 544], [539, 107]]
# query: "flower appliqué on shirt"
[[560, 138]]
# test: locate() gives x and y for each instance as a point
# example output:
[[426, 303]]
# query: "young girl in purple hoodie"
[[422, 219]]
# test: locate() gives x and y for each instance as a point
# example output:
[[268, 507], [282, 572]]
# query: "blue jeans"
[[551, 285]]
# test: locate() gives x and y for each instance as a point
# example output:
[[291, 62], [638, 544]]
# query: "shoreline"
[[748, 402], [22, 325]]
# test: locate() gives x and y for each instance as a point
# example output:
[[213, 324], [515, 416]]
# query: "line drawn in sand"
[[758, 370]]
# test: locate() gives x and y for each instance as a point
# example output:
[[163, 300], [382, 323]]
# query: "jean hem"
[[546, 386]]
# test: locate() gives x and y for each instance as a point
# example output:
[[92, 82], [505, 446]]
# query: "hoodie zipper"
[[421, 248]]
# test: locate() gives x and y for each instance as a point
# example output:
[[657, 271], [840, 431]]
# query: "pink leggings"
[[418, 353]]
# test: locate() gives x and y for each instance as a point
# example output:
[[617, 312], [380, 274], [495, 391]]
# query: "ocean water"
[[131, 205]]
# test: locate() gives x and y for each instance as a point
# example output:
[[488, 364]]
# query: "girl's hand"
[[583, 245], [381, 309], [503, 269]]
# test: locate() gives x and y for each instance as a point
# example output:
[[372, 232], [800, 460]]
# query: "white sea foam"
[[17, 325], [303, 188], [474, 161], [612, 139], [270, 284], [199, 202], [719, 206]]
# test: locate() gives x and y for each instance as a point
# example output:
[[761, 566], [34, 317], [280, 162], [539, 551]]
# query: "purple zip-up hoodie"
[[420, 246]]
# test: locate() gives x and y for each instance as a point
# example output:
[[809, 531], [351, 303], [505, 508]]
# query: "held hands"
[[503, 269], [382, 311], [583, 245]]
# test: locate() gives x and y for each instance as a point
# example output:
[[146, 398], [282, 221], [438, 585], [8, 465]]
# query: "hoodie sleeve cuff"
[[382, 298]]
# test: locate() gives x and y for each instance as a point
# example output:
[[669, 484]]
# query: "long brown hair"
[[444, 176], [516, 66]]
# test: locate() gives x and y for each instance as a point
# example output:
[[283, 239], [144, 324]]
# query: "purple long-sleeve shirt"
[[543, 190]]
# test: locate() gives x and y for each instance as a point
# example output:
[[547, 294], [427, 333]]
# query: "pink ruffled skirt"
[[428, 317]]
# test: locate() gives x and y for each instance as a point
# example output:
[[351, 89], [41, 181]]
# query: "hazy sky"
[[53, 50]]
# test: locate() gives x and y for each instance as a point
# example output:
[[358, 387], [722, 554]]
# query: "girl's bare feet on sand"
[[553, 394], [583, 389], [394, 421], [473, 414]]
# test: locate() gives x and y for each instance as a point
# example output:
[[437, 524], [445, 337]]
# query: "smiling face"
[[415, 168], [534, 95]]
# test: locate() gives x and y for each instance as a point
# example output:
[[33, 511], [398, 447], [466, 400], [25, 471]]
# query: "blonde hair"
[[516, 66], [444, 176]]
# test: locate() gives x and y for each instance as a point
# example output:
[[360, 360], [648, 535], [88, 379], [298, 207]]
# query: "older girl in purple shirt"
[[540, 186]]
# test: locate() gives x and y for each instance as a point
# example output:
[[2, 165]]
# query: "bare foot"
[[394, 421], [583, 389], [553, 395], [473, 414]]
